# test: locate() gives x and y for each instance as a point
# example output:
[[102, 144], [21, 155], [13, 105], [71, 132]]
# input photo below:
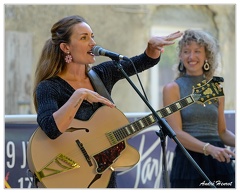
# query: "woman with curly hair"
[[201, 129]]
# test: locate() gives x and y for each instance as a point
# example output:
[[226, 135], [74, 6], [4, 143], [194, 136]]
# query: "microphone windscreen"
[[96, 50]]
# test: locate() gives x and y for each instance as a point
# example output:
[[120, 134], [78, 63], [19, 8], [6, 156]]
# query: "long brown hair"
[[51, 61]]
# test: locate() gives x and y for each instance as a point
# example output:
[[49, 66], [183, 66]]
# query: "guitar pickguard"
[[107, 157]]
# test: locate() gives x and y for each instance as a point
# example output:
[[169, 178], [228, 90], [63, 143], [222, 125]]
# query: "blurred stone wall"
[[120, 28]]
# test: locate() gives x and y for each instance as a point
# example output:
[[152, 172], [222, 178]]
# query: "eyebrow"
[[85, 33]]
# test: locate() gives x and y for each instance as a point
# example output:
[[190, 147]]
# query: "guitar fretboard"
[[124, 132]]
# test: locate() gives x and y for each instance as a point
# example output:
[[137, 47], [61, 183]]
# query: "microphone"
[[98, 51]]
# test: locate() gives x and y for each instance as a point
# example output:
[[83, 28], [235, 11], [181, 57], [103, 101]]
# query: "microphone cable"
[[138, 78]]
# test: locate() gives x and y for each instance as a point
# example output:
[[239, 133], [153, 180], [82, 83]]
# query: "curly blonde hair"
[[210, 44]]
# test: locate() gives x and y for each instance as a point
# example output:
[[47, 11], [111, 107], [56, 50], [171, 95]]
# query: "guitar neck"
[[125, 132]]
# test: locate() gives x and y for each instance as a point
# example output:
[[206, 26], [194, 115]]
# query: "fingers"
[[95, 97], [106, 102], [173, 36], [223, 155], [222, 158], [159, 41], [166, 40]]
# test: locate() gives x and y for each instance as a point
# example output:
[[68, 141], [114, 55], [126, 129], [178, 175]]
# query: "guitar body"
[[89, 151], [73, 169]]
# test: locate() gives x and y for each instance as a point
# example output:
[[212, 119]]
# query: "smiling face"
[[193, 56], [81, 44]]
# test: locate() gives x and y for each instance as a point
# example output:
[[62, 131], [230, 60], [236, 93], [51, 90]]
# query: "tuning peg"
[[219, 86], [209, 102], [198, 84], [204, 81]]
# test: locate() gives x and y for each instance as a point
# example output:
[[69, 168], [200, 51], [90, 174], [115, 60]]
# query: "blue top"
[[54, 92], [199, 121]]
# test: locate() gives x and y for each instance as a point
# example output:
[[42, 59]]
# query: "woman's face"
[[81, 44], [193, 56]]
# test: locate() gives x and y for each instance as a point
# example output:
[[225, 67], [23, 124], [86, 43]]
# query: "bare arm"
[[226, 136]]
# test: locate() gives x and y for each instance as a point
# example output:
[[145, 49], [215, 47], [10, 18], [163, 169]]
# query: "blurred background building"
[[122, 28]]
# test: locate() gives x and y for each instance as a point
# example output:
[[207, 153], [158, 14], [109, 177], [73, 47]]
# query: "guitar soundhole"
[[106, 158], [71, 129]]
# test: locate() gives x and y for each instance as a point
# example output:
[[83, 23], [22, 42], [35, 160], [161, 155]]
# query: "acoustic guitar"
[[89, 151]]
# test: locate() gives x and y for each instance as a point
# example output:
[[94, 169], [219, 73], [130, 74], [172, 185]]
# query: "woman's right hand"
[[66, 113], [94, 97]]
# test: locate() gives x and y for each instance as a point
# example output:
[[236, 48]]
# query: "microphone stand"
[[162, 138], [165, 130]]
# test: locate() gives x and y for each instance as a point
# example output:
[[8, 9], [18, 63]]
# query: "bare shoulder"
[[170, 93], [171, 86]]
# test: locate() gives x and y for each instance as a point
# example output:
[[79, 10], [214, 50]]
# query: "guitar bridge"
[[59, 164]]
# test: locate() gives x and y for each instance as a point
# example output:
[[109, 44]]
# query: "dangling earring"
[[68, 58], [206, 66], [181, 67]]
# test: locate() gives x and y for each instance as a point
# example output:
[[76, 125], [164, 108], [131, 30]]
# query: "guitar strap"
[[101, 89], [98, 84]]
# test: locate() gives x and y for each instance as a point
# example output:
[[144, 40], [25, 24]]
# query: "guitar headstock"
[[206, 91]]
